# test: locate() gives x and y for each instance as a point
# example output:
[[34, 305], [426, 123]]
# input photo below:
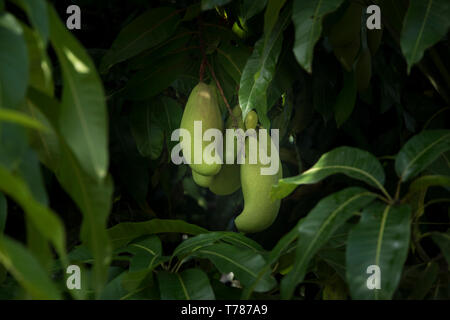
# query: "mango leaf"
[[355, 163], [307, 17], [45, 220], [260, 70], [27, 270], [83, 117], [92, 197], [233, 59], [425, 282], [210, 4], [22, 119], [3, 212], [244, 263], [420, 151], [251, 8], [318, 226], [199, 241], [271, 15], [13, 62], [37, 12], [191, 284], [146, 31], [282, 245], [150, 81], [147, 254], [443, 241], [426, 23], [381, 238], [94, 200], [122, 233], [147, 133], [39, 63], [346, 99]]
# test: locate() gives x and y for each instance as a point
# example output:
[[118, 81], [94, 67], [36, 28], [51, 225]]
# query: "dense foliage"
[[86, 179]]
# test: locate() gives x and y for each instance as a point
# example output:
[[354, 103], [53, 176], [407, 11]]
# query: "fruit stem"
[[211, 70]]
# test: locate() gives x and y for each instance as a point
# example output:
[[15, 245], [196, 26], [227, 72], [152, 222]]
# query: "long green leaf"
[[381, 238], [244, 263], [82, 118], [13, 62], [22, 119], [307, 17], [260, 70], [420, 151], [27, 270], [146, 31], [355, 163], [318, 226], [122, 233], [45, 220], [346, 99], [191, 284], [426, 23], [37, 12]]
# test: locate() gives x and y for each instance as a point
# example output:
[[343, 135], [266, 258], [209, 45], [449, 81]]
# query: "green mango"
[[363, 71], [259, 210], [202, 181], [227, 181], [202, 106], [251, 120]]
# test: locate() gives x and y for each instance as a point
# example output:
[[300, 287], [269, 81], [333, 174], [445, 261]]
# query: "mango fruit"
[[201, 106], [363, 71], [201, 180], [251, 120], [259, 210], [227, 181]]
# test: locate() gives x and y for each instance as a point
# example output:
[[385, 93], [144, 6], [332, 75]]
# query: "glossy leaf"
[[420, 151], [318, 226], [260, 70], [307, 17], [244, 263], [146, 31], [92, 197], [355, 163], [122, 233], [426, 22], [27, 270], [13, 62], [346, 99], [22, 119], [381, 238], [251, 8], [83, 117], [271, 15], [37, 12], [40, 69], [195, 243], [191, 284], [45, 220]]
